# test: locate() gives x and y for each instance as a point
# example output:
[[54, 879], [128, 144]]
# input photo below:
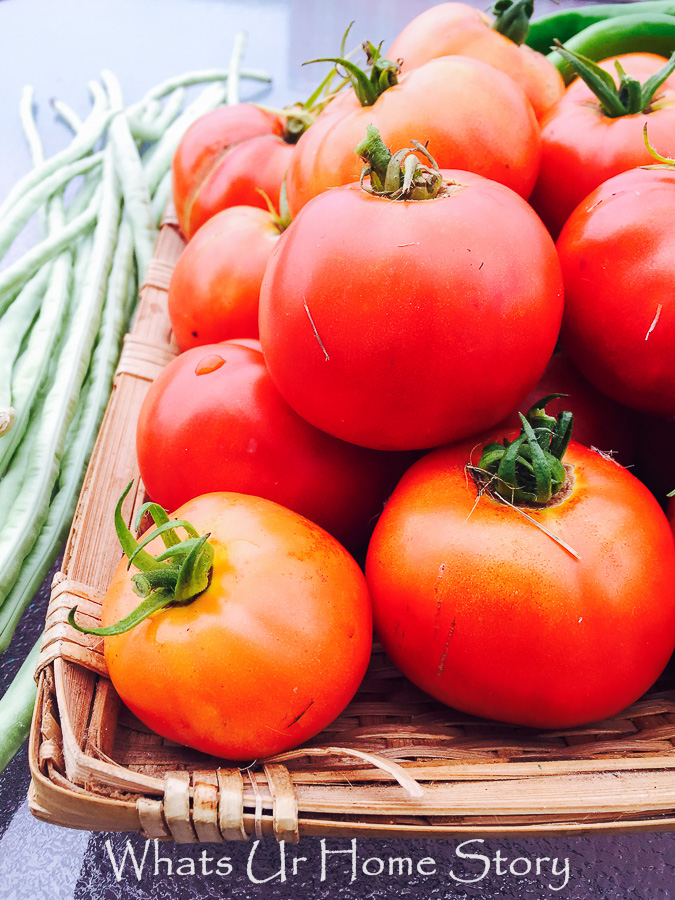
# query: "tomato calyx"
[[397, 176], [528, 470], [174, 577], [368, 85], [630, 97], [512, 19]]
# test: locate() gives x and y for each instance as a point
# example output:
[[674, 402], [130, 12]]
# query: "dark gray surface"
[[58, 45]]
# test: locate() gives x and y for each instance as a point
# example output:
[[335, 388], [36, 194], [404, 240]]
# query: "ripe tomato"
[[213, 420], [487, 613], [406, 324], [599, 421], [266, 656], [618, 261], [215, 286], [223, 159], [450, 29], [469, 115], [582, 147]]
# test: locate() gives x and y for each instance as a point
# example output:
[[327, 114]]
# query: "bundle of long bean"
[[64, 307]]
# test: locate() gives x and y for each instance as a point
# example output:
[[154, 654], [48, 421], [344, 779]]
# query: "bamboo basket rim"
[[392, 765]]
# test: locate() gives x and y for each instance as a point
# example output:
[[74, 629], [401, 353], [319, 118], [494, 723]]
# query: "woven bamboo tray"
[[95, 766]]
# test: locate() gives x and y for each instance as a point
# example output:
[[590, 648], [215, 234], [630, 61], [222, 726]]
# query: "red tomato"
[[215, 286], [618, 261], [470, 116], [223, 159], [213, 420], [487, 613], [599, 422], [450, 29], [411, 323], [263, 659], [582, 147]]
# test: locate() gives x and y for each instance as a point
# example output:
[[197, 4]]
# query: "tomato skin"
[[449, 29], [287, 606], [618, 264], [229, 429], [472, 116], [421, 309], [223, 158], [488, 614], [215, 286], [599, 421], [582, 147]]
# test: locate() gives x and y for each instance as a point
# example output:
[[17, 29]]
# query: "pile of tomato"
[[353, 364]]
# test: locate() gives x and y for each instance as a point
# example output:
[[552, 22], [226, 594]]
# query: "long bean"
[[16, 708], [14, 326], [79, 439], [83, 143], [18, 273], [129, 169], [151, 129], [32, 505], [16, 218]]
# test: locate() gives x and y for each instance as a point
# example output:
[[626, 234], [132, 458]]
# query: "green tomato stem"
[[529, 469], [400, 176], [175, 576], [512, 18]]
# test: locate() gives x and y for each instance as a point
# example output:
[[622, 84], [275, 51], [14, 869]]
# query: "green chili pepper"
[[624, 34], [565, 24]]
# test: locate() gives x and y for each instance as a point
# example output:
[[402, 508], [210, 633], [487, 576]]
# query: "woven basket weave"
[[95, 766]]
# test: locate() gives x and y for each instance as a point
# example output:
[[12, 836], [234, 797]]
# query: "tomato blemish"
[[209, 364]]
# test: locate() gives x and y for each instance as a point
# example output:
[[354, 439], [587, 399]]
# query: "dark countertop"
[[58, 47]]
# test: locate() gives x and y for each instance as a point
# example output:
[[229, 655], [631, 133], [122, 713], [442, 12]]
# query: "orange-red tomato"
[[489, 614], [470, 116], [224, 159], [268, 655], [582, 147], [450, 29], [215, 286]]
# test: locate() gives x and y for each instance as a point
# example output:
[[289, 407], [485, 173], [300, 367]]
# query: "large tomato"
[[450, 29], [215, 286], [490, 614], [409, 323], [226, 158], [618, 260], [582, 146], [268, 655], [469, 115], [213, 421]]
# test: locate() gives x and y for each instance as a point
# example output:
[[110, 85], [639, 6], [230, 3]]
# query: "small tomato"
[[215, 286], [267, 655]]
